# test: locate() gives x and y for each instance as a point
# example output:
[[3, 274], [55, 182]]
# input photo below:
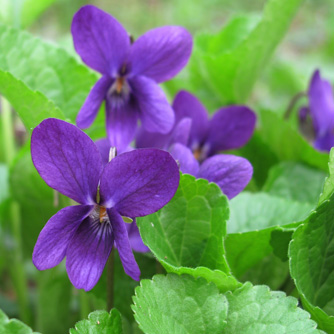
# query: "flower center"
[[200, 152], [119, 92], [99, 214]]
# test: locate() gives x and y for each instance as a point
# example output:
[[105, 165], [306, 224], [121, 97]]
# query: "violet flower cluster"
[[195, 142], [319, 112], [137, 182]]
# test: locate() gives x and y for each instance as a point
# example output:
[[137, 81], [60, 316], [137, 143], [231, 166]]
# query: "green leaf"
[[45, 68], [31, 106], [254, 221], [254, 211], [187, 234], [329, 183], [287, 143], [311, 263], [260, 155], [13, 326], [230, 70], [296, 182], [178, 305], [100, 322], [188, 231], [256, 309]]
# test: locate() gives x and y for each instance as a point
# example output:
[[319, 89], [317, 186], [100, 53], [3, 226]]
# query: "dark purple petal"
[[321, 101], [123, 246], [161, 53], [181, 132], [88, 252], [100, 40], [155, 112], [93, 102], [139, 182], [52, 243], [145, 139], [231, 173], [121, 124], [325, 142], [187, 105], [135, 239], [103, 146], [230, 128], [185, 159], [67, 159]]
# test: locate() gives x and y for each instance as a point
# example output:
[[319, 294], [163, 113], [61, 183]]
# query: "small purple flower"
[[195, 141], [133, 184], [130, 73], [321, 112]]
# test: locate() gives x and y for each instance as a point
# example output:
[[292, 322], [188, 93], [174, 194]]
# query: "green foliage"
[[13, 326], [36, 199], [22, 12], [32, 106], [254, 211], [187, 234], [225, 66], [311, 263], [100, 322], [329, 183], [287, 143], [53, 284], [295, 182], [182, 304], [256, 309], [178, 305], [45, 68], [188, 231]]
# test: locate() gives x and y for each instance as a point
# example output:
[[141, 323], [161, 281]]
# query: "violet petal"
[[139, 182], [88, 252], [325, 142], [52, 242], [181, 132], [93, 102], [161, 53], [135, 239], [121, 124], [230, 128], [230, 172], [155, 112], [145, 139], [67, 159], [123, 246], [100, 40], [185, 158], [321, 101], [187, 105]]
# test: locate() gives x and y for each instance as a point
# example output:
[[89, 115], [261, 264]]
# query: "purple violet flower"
[[133, 184], [130, 73], [195, 141], [321, 112]]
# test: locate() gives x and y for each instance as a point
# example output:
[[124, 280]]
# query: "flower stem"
[[84, 304], [110, 280], [17, 267], [292, 104]]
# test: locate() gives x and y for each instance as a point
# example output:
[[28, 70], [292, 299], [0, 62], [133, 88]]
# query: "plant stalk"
[[17, 267]]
